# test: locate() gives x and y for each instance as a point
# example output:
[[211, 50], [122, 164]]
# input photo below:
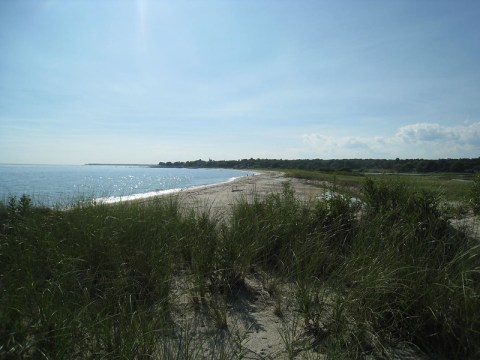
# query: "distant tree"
[[400, 165]]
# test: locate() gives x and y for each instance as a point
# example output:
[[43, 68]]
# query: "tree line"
[[467, 165]]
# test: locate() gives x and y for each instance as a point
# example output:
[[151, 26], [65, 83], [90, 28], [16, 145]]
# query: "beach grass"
[[365, 278]]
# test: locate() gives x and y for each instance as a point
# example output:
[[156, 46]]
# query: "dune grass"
[[98, 281]]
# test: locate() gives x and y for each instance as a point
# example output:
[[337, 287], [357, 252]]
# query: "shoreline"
[[159, 193], [219, 198], [64, 186]]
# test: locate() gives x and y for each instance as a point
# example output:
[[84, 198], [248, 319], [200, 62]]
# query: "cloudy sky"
[[149, 80]]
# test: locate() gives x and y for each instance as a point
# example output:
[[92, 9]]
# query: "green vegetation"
[[102, 281], [451, 187], [475, 194], [397, 165]]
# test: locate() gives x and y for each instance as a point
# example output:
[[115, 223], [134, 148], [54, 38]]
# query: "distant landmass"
[[100, 164], [467, 165]]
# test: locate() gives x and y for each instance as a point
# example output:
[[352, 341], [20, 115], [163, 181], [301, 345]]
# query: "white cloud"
[[424, 132], [421, 140], [430, 132]]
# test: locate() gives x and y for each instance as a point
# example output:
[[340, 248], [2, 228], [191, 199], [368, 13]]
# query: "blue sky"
[[146, 81]]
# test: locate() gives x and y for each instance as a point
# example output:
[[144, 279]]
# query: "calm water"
[[61, 185]]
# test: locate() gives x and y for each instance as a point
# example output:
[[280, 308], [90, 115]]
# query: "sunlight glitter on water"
[[51, 185]]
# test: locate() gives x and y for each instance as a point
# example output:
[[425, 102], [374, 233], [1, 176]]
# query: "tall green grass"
[[100, 281]]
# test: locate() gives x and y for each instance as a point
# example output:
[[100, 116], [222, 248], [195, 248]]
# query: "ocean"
[[64, 185]]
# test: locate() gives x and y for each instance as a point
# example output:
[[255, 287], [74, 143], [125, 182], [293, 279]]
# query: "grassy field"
[[451, 187], [101, 281]]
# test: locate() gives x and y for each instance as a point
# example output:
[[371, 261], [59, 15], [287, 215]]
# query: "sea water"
[[51, 185]]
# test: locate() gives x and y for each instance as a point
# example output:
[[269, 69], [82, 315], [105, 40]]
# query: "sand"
[[220, 197]]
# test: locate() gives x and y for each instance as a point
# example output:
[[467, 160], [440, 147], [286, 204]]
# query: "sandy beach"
[[220, 197]]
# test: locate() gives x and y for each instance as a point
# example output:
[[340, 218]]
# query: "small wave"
[[117, 199]]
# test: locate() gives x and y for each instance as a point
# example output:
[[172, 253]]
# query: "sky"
[[144, 81]]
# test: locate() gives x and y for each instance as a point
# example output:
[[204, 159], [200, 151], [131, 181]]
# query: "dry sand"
[[221, 197]]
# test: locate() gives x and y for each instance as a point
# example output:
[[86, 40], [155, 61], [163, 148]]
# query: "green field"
[[449, 186]]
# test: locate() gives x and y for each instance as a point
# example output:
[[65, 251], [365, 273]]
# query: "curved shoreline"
[[153, 194], [220, 197]]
